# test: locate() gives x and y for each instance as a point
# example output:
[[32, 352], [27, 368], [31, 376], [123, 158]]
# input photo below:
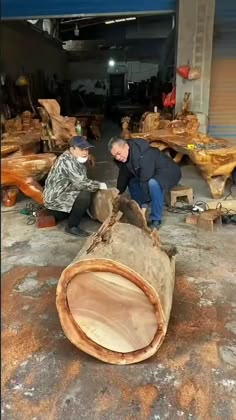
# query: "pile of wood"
[[22, 164], [21, 135], [22, 143], [216, 158]]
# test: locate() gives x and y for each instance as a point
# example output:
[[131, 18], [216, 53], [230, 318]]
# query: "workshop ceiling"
[[91, 37], [115, 26]]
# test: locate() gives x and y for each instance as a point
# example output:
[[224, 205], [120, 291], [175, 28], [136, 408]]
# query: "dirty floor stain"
[[44, 376]]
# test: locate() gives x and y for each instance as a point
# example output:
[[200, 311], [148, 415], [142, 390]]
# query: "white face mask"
[[82, 159]]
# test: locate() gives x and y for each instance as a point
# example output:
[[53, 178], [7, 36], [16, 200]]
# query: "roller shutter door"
[[22, 9], [222, 110]]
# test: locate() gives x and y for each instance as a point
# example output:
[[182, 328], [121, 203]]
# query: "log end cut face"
[[112, 311]]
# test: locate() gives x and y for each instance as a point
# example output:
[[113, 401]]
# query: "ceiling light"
[[109, 22], [111, 62], [33, 21], [76, 30]]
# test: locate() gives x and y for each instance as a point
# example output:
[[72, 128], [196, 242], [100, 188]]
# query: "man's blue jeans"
[[156, 194]]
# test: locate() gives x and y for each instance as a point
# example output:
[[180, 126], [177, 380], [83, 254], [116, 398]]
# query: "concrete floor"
[[193, 375]]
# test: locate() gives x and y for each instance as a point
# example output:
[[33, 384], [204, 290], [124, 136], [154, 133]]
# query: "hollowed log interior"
[[112, 311], [114, 299]]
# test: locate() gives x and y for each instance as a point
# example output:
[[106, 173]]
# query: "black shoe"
[[156, 224], [77, 231]]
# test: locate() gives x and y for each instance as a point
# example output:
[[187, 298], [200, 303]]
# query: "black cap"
[[81, 142]]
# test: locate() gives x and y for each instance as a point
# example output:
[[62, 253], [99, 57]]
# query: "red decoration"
[[169, 99], [183, 71]]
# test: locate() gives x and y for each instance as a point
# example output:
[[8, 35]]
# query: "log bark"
[[114, 300]]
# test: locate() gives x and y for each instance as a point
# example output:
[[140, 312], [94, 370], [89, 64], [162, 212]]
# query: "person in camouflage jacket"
[[67, 191]]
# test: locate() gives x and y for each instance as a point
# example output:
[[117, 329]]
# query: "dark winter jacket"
[[146, 162]]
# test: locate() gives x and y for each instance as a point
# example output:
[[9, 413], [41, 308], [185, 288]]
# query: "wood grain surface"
[[112, 311]]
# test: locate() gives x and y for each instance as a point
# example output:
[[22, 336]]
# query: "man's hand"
[[103, 186]]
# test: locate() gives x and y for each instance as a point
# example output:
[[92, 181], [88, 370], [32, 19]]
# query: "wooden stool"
[[206, 220], [180, 192]]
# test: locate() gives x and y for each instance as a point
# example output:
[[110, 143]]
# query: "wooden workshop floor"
[[191, 377]]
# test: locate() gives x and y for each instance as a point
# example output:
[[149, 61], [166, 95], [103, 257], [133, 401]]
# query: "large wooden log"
[[114, 300], [101, 204]]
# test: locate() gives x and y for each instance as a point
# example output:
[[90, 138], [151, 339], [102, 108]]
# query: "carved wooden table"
[[216, 158]]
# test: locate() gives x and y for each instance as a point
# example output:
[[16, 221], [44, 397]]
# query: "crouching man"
[[67, 191], [147, 172]]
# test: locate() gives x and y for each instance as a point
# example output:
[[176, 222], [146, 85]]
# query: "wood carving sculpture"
[[22, 123], [57, 130], [149, 121], [114, 300], [23, 173], [91, 125], [125, 127], [63, 128], [21, 135], [96, 126], [185, 110], [216, 158], [47, 135]]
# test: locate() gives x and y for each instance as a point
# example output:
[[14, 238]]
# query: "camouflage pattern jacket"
[[65, 180]]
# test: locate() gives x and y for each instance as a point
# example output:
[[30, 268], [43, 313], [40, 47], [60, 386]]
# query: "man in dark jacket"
[[146, 171]]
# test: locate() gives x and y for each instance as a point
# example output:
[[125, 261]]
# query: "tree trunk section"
[[101, 204], [114, 300]]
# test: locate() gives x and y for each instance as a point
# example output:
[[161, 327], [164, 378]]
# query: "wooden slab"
[[112, 311]]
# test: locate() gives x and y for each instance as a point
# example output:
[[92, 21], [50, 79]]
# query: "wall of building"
[[88, 69], [138, 71], [195, 35], [88, 72], [24, 47]]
